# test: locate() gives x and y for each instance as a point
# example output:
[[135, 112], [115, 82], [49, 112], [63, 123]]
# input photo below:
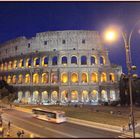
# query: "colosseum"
[[70, 66]]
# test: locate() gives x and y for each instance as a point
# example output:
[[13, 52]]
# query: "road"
[[51, 130]]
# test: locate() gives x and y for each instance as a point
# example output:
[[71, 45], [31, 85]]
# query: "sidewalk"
[[91, 124], [13, 132]]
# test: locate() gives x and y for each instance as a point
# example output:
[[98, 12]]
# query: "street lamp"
[[111, 36]]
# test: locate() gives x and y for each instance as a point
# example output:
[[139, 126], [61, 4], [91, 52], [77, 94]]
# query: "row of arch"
[[54, 78], [37, 61], [65, 97]]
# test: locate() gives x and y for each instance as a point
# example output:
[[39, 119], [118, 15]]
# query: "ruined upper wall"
[[52, 40]]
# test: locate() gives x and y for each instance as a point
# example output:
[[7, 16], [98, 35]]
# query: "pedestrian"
[[129, 126], [123, 128], [18, 134], [22, 133], [9, 125]]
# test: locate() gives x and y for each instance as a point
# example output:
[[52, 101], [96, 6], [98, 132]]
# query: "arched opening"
[[15, 64], [64, 96], [36, 62], [45, 97], [14, 79], [94, 77], [2, 67], [73, 60], [102, 60], [74, 77], [74, 96], [20, 77], [64, 77], [9, 79], [94, 96], [10, 65], [44, 78], [83, 60], [5, 79], [54, 77], [35, 97], [84, 77], [5, 66], [45, 61], [27, 97], [104, 96], [64, 60], [93, 60], [35, 78], [85, 97], [103, 77], [111, 77], [54, 60], [28, 62], [112, 95], [21, 63], [27, 79], [54, 96], [20, 95]]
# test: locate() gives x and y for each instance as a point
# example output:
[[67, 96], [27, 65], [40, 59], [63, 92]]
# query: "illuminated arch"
[[5, 66], [20, 95], [83, 60], [54, 77], [64, 96], [2, 67], [54, 60], [27, 97], [112, 95], [27, 78], [73, 60], [15, 64], [94, 96], [9, 79], [64, 77], [45, 97], [45, 61], [44, 78], [64, 60], [54, 96], [28, 62], [36, 62], [21, 63], [35, 78], [74, 77], [5, 79], [14, 79], [10, 65], [74, 96], [103, 77], [112, 77], [85, 96], [94, 77], [104, 96], [102, 60], [93, 60], [20, 79], [35, 96], [84, 77]]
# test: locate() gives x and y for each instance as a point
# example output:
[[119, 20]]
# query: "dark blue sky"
[[28, 18]]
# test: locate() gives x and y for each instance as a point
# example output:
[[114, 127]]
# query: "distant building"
[[124, 90], [60, 66]]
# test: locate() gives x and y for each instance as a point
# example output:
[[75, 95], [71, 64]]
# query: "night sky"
[[28, 18]]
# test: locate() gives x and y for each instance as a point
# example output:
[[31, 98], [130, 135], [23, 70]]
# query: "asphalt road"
[[52, 130]]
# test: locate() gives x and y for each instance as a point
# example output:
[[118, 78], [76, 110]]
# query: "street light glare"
[[110, 35]]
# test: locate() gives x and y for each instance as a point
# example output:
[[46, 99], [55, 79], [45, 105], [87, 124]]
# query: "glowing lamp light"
[[110, 35]]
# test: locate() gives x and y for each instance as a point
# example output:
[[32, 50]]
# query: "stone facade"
[[65, 66]]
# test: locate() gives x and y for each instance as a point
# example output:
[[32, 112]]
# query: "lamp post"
[[127, 40]]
